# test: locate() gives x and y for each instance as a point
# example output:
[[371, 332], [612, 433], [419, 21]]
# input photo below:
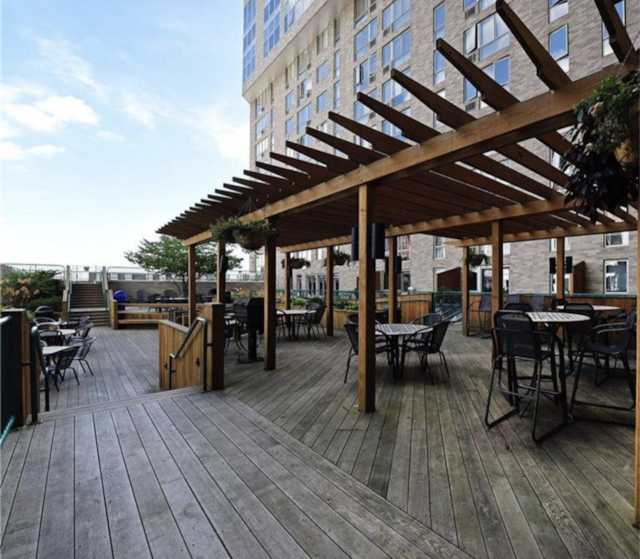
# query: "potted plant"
[[339, 258], [251, 236], [603, 160], [476, 258], [296, 263]]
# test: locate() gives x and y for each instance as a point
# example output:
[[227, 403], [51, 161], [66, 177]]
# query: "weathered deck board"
[[281, 464]]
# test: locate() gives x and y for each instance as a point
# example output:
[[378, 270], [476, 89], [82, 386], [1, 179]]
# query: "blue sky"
[[117, 116]]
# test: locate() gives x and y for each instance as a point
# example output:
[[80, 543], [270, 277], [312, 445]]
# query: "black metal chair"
[[352, 318], [50, 334], [537, 303], [608, 341], [430, 319], [381, 345], [43, 320], [83, 352], [576, 331], [513, 298], [64, 362], [169, 294], [82, 334], [516, 340], [556, 302], [427, 344], [312, 320], [522, 307], [483, 311]]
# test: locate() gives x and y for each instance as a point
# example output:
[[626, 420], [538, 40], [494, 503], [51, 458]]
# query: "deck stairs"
[[87, 298]]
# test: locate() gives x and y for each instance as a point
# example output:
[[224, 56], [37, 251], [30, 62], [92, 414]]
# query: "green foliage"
[[233, 230], [296, 263], [299, 301], [168, 256], [345, 305], [17, 288], [54, 302], [476, 258]]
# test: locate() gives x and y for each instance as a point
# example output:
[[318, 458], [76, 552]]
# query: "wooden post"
[[636, 522], [221, 275], [214, 315], [367, 302], [20, 377], [287, 280], [496, 267], [329, 296], [464, 286], [192, 284], [270, 306], [393, 280], [560, 256]]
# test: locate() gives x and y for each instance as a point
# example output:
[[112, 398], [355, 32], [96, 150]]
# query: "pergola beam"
[[619, 39]]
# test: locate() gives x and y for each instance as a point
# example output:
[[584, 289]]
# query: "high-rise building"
[[304, 58]]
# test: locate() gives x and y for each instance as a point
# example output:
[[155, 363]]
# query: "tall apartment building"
[[304, 58]]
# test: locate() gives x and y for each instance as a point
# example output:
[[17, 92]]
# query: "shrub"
[[54, 302], [18, 288]]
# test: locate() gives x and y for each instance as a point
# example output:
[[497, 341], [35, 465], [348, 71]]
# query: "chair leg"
[[91, 370], [346, 373], [537, 380], [576, 382], [443, 358]]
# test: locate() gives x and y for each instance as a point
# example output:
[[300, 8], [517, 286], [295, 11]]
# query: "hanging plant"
[[296, 263], [603, 161], [475, 258], [339, 258], [251, 236]]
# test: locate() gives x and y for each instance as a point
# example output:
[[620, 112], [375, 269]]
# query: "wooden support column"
[[287, 280], [221, 275], [329, 297], [636, 522], [464, 286], [496, 267], [393, 279], [367, 302], [270, 306], [560, 259], [191, 280], [213, 313]]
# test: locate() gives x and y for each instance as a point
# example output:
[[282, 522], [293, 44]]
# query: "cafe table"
[[293, 316], [597, 308], [394, 332]]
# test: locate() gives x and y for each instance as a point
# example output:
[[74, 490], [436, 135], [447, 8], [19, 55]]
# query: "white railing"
[[57, 268], [131, 273]]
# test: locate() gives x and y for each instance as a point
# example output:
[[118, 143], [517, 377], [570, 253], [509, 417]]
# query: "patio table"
[[293, 316], [395, 331], [556, 317], [598, 308]]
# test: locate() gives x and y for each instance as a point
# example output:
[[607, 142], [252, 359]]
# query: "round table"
[[598, 308], [395, 331], [290, 315], [556, 317]]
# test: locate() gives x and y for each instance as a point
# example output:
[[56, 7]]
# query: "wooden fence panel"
[[188, 367]]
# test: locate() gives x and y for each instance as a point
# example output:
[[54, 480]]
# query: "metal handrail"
[[34, 344], [205, 345], [9, 341]]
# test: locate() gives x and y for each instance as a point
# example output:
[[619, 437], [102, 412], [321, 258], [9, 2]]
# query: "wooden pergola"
[[434, 183]]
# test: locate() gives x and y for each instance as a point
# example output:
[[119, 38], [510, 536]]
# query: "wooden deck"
[[282, 464]]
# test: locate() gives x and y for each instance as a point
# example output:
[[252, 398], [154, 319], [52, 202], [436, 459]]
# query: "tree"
[[169, 257]]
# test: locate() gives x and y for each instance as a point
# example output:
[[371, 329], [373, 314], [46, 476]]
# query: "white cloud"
[[13, 152], [7, 130], [63, 61], [226, 131], [52, 113], [142, 107], [112, 136]]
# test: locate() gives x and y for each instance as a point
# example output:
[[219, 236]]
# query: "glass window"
[[293, 9], [438, 248], [469, 40], [393, 93], [323, 71], [393, 130], [322, 102], [616, 278], [262, 148], [337, 59], [396, 15], [362, 113], [304, 117], [553, 244], [398, 51], [438, 21], [481, 4], [303, 61], [289, 100], [606, 47], [249, 40], [436, 122], [553, 288], [271, 34], [361, 10], [304, 90], [492, 35], [616, 239], [558, 9], [336, 96], [364, 39], [324, 126], [289, 126], [261, 125], [439, 65], [559, 46], [500, 72], [322, 41], [469, 91], [364, 73]]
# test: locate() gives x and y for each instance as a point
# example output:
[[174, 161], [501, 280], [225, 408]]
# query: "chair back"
[[84, 349], [522, 307], [65, 358], [516, 335], [352, 332], [316, 318], [437, 335], [578, 328], [47, 327], [43, 320], [555, 303], [429, 319], [352, 318], [84, 320], [537, 302], [199, 298], [485, 303], [84, 332], [512, 299], [142, 296], [170, 294]]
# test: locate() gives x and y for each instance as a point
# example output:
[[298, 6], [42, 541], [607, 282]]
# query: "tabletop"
[[397, 329], [598, 308], [295, 312], [53, 349], [556, 317], [59, 331]]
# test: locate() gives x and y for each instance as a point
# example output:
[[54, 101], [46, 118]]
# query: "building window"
[[322, 41], [306, 140], [438, 21], [361, 10], [337, 59], [393, 93], [289, 126], [616, 239], [304, 90], [606, 47], [437, 123], [553, 244], [324, 126], [303, 61], [559, 46], [322, 72], [616, 277], [271, 32], [304, 117], [396, 15], [336, 31], [322, 102], [262, 148], [486, 277], [405, 281], [365, 73], [490, 36], [553, 287], [362, 113], [558, 9], [392, 130], [398, 51], [500, 72], [439, 65], [404, 247], [469, 91], [262, 125], [336, 96], [298, 282], [289, 101], [477, 4], [293, 9], [365, 39], [249, 40], [438, 248]]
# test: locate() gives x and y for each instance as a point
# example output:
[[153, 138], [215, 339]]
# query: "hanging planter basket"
[[250, 240], [296, 263], [341, 258], [250, 235], [477, 259]]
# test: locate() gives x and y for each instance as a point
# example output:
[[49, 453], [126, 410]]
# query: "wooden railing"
[[150, 314]]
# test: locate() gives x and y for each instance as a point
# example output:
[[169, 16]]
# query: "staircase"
[[88, 299]]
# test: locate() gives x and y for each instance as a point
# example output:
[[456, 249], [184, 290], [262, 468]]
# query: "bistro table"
[[598, 308], [395, 331], [556, 317], [47, 352], [293, 316]]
